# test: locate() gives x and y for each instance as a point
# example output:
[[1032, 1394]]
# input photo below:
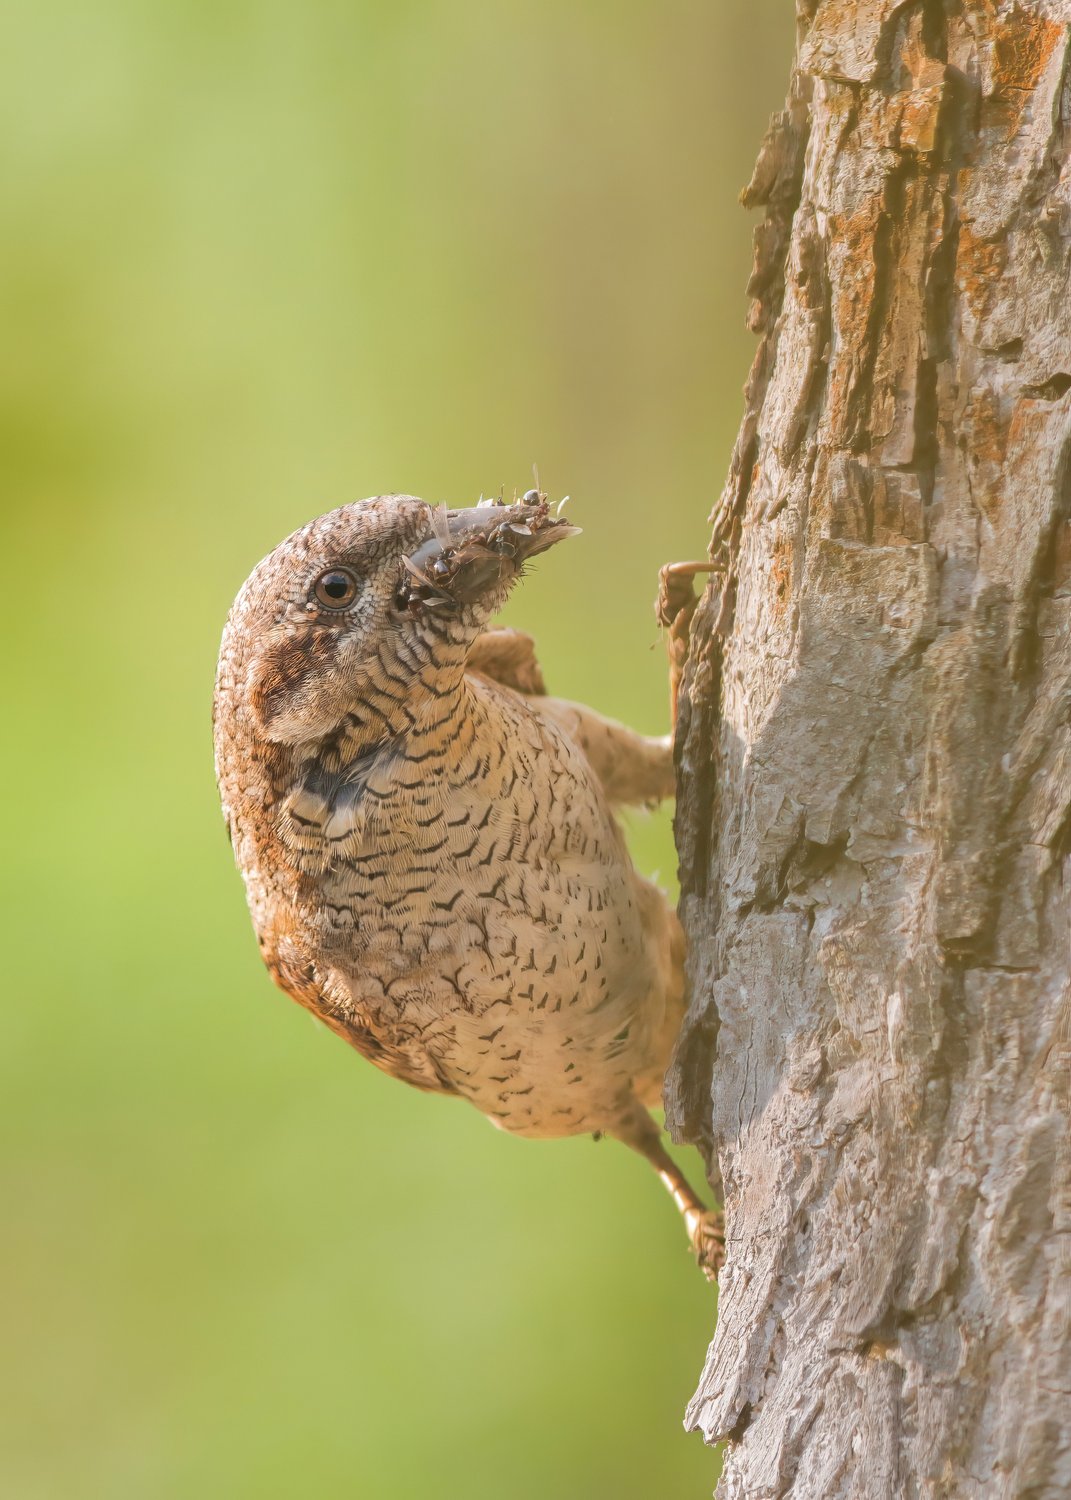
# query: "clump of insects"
[[471, 550]]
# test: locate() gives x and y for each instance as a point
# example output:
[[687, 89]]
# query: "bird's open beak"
[[470, 552]]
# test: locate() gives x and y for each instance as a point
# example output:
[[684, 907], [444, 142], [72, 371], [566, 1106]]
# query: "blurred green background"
[[259, 260]]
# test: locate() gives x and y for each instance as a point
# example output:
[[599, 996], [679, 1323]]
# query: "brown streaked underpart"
[[471, 551]]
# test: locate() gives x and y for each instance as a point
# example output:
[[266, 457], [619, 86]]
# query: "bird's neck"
[[395, 709]]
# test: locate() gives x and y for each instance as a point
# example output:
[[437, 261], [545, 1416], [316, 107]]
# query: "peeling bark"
[[874, 820]]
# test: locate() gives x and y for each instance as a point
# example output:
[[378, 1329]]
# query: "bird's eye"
[[335, 589]]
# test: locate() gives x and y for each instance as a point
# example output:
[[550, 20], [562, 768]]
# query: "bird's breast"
[[468, 898]]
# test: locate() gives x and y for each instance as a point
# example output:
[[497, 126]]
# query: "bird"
[[428, 839]]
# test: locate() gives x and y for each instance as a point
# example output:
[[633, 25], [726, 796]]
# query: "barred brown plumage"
[[427, 840]]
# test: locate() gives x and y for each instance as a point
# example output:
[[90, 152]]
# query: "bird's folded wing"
[[508, 657]]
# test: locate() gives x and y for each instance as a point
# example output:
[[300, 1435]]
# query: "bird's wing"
[[326, 995], [508, 657], [633, 768]]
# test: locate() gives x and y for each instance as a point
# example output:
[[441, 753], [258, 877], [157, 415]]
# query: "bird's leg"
[[705, 1226], [674, 608]]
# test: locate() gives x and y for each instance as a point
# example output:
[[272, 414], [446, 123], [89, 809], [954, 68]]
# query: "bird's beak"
[[470, 552]]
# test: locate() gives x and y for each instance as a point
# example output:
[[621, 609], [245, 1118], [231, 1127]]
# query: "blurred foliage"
[[261, 259]]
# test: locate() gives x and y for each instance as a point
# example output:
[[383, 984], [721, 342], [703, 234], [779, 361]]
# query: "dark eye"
[[335, 589]]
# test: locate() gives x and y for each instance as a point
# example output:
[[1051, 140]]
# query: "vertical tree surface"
[[874, 820]]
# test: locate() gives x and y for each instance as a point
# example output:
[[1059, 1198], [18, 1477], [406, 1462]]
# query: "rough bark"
[[874, 820]]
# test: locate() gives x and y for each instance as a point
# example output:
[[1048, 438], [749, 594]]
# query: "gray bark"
[[874, 820]]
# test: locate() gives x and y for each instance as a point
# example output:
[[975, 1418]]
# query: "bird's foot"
[[676, 596], [706, 1231], [674, 608], [705, 1226]]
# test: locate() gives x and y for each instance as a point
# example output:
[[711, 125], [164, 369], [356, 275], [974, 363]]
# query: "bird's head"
[[362, 611]]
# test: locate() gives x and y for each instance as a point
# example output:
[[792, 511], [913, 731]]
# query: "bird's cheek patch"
[[294, 693]]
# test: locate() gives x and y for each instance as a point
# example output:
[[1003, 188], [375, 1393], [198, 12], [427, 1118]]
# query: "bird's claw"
[[676, 596], [706, 1231], [674, 608]]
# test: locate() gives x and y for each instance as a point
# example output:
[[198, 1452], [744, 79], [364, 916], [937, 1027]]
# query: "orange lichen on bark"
[[781, 564], [1028, 427], [854, 280], [920, 105], [1020, 49], [900, 345], [919, 118], [979, 264]]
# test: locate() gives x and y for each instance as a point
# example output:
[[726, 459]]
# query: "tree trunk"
[[874, 819]]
